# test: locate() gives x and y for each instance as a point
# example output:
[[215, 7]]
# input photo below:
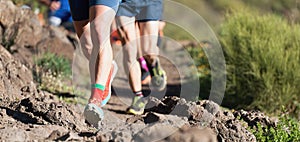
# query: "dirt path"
[[175, 61]]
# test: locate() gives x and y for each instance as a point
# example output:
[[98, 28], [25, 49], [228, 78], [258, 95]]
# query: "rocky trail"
[[28, 113]]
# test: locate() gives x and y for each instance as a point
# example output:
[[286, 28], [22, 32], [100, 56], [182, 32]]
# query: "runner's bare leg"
[[130, 51], [101, 18], [83, 32], [149, 34]]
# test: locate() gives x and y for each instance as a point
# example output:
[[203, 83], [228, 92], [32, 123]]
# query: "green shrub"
[[263, 62], [54, 63], [287, 130], [52, 72]]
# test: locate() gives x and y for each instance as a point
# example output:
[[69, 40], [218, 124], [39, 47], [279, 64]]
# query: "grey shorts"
[[142, 10]]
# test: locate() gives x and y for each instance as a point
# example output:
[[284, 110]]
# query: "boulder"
[[15, 78], [23, 106], [207, 114], [23, 36], [193, 134]]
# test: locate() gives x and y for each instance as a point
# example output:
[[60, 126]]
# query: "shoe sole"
[[93, 114], [115, 70], [132, 111]]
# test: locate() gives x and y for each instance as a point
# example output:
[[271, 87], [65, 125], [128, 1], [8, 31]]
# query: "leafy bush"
[[51, 72], [263, 62], [57, 64], [287, 130]]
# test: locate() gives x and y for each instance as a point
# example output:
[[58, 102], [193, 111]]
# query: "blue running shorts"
[[143, 10], [80, 8]]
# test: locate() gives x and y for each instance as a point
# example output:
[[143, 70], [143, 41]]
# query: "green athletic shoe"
[[158, 77], [138, 105]]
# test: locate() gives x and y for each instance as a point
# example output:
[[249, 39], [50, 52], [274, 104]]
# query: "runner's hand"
[[54, 5]]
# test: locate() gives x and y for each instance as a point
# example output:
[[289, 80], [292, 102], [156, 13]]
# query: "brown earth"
[[28, 113], [22, 34]]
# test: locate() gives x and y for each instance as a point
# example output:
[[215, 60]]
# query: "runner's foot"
[[158, 77], [100, 96], [138, 105]]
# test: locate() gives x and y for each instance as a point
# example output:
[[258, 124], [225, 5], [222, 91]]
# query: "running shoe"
[[158, 77], [93, 112], [138, 105]]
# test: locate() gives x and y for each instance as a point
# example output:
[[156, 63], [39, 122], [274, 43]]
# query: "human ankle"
[[98, 86], [143, 64], [139, 93]]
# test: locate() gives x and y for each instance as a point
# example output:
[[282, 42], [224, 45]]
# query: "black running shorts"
[[80, 8]]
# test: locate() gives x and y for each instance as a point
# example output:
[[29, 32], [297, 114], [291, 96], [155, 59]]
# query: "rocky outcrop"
[[23, 108], [23, 36], [193, 134], [15, 78], [208, 114]]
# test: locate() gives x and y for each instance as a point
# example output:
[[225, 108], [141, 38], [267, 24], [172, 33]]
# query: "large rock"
[[15, 79], [23, 107], [206, 114], [155, 132], [255, 117], [23, 36], [193, 134]]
